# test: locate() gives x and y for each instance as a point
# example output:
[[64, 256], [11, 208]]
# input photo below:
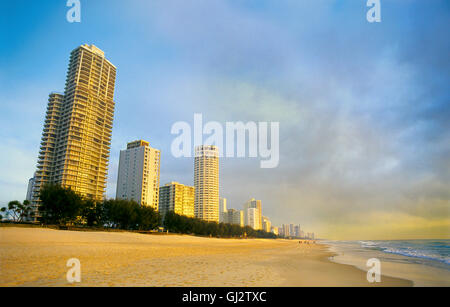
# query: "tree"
[[59, 205], [92, 212], [18, 210], [182, 224], [3, 209], [149, 219]]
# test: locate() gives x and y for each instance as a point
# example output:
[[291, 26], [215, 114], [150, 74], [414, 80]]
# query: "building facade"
[[275, 230], [266, 224], [233, 216], [285, 230], [138, 178], [206, 183], [222, 209], [29, 196], [177, 197], [76, 138], [253, 218]]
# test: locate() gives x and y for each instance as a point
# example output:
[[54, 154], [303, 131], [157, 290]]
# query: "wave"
[[424, 249]]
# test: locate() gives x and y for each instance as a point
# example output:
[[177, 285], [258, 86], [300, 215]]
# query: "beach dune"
[[38, 257]]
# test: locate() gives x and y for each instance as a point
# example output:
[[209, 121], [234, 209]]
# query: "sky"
[[364, 108]]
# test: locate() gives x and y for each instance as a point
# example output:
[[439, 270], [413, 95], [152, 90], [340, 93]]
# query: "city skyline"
[[363, 111]]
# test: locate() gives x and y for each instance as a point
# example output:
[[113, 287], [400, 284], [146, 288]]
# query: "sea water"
[[425, 262]]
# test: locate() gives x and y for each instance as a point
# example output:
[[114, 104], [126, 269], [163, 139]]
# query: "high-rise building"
[[275, 230], [291, 230], [222, 209], [176, 197], [138, 178], [255, 220], [30, 189], [286, 230], [297, 231], [76, 138], [233, 216], [266, 224], [206, 183]]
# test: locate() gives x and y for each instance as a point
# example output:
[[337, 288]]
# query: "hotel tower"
[[76, 138], [206, 183], [139, 169]]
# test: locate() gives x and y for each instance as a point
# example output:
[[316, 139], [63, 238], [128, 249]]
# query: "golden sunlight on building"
[[177, 197], [77, 130], [206, 182], [139, 170]]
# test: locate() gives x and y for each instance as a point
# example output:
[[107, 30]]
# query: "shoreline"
[[38, 257], [422, 272]]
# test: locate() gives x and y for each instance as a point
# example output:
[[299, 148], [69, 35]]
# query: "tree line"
[[63, 206], [188, 225]]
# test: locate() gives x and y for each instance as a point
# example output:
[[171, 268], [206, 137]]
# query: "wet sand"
[[38, 257]]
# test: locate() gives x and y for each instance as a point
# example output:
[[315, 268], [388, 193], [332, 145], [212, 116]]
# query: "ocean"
[[425, 262]]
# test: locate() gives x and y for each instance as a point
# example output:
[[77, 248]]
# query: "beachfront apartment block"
[[291, 230], [178, 198], [206, 183], [253, 218], [266, 224], [139, 170], [297, 231], [222, 209], [76, 139], [29, 196], [285, 230], [275, 230], [233, 216]]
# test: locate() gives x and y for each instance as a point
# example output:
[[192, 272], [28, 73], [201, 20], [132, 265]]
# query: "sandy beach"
[[38, 257]]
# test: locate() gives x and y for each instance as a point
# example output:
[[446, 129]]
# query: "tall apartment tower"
[[206, 183], [177, 197], [77, 130], [222, 209], [266, 224], [139, 169], [29, 196], [253, 218], [233, 216]]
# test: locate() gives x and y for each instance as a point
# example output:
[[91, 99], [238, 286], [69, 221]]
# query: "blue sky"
[[363, 108]]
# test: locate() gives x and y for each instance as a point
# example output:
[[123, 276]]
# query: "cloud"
[[354, 110], [363, 108]]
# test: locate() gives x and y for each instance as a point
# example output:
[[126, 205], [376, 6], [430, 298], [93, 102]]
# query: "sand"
[[38, 257]]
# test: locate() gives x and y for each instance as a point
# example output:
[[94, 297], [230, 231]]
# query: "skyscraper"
[[138, 178], [76, 138], [177, 197], [297, 231], [275, 230], [206, 183], [286, 228], [233, 216], [291, 230], [266, 224], [253, 219], [222, 209], [29, 196]]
